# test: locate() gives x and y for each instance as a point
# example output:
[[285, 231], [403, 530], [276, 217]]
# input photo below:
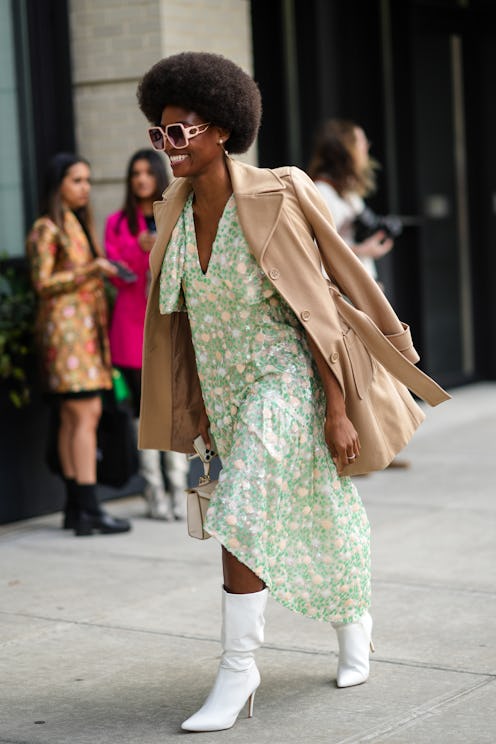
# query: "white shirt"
[[344, 211]]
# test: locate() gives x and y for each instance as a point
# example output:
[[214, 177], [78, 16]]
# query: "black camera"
[[368, 222]]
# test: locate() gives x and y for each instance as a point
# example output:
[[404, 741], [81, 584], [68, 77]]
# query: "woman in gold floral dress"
[[67, 271], [242, 339]]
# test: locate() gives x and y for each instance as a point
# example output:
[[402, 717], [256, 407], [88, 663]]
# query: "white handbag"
[[198, 499]]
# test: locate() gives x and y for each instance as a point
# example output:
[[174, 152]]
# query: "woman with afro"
[[243, 344]]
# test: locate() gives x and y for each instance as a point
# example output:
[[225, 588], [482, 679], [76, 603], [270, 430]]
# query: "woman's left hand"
[[203, 428], [376, 246], [342, 440], [340, 434]]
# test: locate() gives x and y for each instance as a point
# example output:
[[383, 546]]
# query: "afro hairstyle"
[[210, 85]]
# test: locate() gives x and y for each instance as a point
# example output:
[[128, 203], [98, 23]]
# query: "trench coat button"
[[334, 356], [305, 315], [274, 273]]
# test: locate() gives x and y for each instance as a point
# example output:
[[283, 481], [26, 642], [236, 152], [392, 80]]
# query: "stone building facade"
[[113, 42]]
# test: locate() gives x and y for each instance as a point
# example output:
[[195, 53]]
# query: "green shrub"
[[17, 313]]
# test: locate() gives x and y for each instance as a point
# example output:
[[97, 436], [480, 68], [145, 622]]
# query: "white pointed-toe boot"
[[176, 467], [355, 642], [238, 677]]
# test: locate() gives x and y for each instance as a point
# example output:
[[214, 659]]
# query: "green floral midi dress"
[[280, 506]]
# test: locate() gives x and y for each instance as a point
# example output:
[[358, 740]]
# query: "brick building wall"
[[113, 43]]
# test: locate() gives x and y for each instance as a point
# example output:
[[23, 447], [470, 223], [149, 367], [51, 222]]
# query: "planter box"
[[27, 487]]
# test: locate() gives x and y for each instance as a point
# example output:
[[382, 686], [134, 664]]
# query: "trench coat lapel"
[[259, 200]]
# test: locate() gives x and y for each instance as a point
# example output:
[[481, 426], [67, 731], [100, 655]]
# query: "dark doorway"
[[418, 76], [442, 198]]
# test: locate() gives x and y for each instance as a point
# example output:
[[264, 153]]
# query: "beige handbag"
[[197, 501]]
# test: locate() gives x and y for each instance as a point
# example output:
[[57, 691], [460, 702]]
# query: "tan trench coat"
[[290, 233]]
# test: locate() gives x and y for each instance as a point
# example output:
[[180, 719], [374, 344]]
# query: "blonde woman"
[[344, 173]]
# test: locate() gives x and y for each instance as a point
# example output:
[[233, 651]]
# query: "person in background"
[[68, 270], [344, 173], [129, 237]]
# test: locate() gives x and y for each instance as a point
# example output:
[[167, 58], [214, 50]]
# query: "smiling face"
[[75, 187], [202, 152]]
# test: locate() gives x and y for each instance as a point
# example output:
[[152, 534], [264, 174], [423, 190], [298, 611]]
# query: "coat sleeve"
[[346, 270]]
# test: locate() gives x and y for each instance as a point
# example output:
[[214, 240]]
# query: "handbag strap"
[[205, 478]]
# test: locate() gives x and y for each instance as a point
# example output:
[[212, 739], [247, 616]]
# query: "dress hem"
[[290, 605]]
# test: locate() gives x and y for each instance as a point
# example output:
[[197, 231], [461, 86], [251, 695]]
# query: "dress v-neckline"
[[214, 241]]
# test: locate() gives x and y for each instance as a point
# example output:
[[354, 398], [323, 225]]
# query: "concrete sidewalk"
[[113, 640]]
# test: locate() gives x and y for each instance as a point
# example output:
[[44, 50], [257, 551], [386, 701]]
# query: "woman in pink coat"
[[129, 237]]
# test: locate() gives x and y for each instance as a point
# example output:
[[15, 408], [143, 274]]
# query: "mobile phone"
[[205, 455], [124, 273]]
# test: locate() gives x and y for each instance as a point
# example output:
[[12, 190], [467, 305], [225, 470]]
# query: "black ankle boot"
[[92, 518], [71, 509], [88, 523]]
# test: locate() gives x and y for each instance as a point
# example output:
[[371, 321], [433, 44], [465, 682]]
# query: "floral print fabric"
[[280, 506], [72, 309]]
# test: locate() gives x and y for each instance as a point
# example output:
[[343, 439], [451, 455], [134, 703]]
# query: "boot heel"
[[251, 704]]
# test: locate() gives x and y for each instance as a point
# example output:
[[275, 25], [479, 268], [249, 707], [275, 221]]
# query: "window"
[[12, 216]]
